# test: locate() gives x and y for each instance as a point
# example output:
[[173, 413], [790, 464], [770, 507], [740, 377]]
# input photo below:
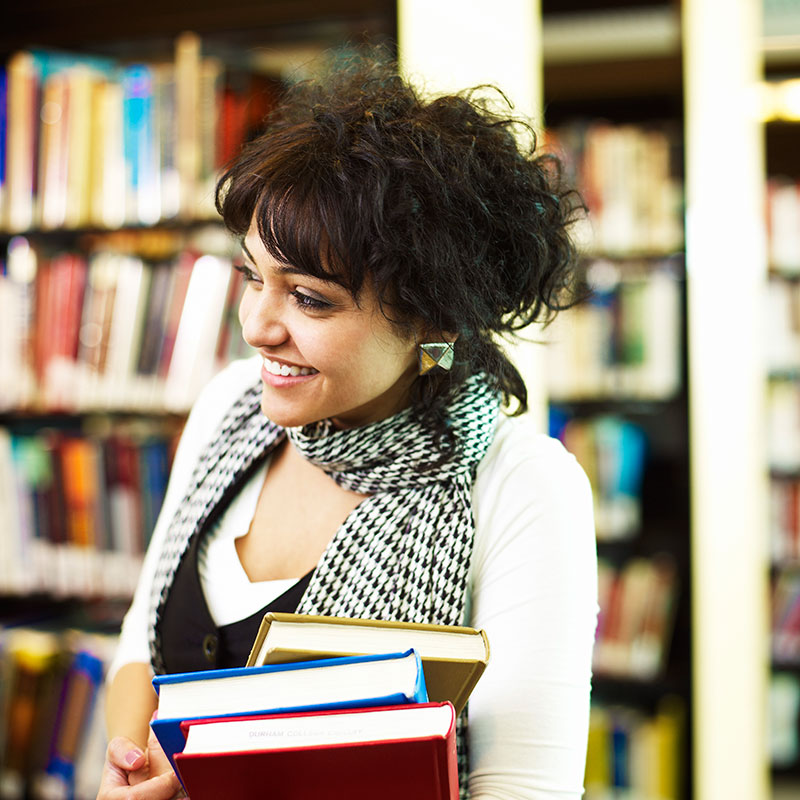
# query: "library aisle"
[[676, 383]]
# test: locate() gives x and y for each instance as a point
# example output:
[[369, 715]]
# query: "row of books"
[[782, 326], [783, 224], [783, 728], [325, 707], [629, 179], [636, 755], [625, 340], [638, 601], [784, 530], [612, 452], [77, 508], [786, 617], [92, 142], [52, 727], [783, 424], [114, 330]]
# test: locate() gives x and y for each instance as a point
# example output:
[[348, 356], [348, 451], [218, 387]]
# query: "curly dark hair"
[[440, 203]]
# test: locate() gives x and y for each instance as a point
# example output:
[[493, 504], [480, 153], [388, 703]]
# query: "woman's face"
[[324, 355]]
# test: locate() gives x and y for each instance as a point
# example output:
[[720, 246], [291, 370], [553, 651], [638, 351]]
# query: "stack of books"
[[326, 706]]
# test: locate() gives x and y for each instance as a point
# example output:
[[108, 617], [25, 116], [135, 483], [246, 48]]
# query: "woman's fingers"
[[125, 754], [128, 774], [162, 787]]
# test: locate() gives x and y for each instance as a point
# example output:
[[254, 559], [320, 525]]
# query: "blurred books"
[[88, 142], [115, 330]]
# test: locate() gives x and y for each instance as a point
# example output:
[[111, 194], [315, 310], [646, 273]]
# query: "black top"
[[191, 640]]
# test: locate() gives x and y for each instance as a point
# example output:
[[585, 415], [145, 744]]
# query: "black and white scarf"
[[403, 553]]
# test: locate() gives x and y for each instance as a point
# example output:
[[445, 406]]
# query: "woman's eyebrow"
[[289, 269]]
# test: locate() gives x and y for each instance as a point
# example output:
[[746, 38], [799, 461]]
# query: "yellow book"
[[453, 657], [80, 82]]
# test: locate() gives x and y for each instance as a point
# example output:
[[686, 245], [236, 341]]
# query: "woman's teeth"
[[274, 368]]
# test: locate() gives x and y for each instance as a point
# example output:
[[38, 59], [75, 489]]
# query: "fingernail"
[[131, 757]]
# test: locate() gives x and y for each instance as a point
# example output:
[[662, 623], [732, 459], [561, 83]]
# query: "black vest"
[[191, 640]]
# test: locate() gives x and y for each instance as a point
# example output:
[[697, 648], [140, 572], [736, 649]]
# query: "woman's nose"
[[262, 323]]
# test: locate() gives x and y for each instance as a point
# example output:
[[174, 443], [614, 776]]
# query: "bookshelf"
[[616, 373], [108, 263], [781, 68], [617, 378]]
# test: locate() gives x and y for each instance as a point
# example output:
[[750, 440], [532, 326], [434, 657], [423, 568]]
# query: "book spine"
[[624, 341], [637, 610], [77, 512], [21, 144]]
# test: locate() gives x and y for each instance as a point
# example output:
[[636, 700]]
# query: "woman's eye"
[[308, 302], [249, 275]]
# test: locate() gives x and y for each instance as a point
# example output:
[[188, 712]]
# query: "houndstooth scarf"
[[403, 553]]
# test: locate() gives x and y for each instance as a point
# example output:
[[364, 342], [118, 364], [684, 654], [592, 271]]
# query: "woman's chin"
[[286, 418]]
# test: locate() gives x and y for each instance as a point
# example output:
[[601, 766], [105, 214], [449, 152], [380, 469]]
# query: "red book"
[[391, 753]]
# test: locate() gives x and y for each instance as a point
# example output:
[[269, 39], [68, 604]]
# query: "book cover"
[[143, 203], [108, 155], [155, 320], [180, 275], [390, 753], [453, 657], [187, 109], [376, 680], [192, 357], [53, 151], [3, 132], [21, 148], [80, 82], [79, 692], [154, 471], [164, 104]]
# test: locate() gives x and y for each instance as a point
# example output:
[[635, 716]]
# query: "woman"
[[360, 465]]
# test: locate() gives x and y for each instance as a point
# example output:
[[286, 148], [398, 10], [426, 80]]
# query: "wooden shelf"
[[86, 23]]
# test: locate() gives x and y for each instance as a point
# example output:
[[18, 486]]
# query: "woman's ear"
[[424, 335]]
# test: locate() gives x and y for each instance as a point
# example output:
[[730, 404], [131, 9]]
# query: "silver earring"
[[435, 354]]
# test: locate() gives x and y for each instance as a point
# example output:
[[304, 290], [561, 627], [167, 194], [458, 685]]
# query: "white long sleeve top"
[[532, 588]]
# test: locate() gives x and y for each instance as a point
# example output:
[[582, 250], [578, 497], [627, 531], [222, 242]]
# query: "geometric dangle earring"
[[435, 354]]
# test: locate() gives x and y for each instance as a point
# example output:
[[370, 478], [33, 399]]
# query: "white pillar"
[[448, 45], [726, 273]]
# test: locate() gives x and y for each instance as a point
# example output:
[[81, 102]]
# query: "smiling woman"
[[367, 462]]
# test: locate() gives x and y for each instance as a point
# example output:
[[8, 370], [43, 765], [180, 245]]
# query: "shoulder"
[[530, 493], [522, 453]]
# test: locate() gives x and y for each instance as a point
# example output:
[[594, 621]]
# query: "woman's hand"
[[130, 774]]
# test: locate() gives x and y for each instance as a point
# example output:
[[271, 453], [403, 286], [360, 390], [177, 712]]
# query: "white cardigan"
[[532, 587]]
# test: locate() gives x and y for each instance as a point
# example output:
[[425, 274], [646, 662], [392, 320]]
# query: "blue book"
[[139, 144], [3, 124], [74, 713], [388, 679]]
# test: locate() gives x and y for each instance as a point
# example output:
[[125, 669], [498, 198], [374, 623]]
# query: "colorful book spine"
[[75, 710], [77, 511], [85, 141], [613, 453], [635, 754], [170, 734], [638, 602], [3, 136], [624, 341], [101, 333]]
